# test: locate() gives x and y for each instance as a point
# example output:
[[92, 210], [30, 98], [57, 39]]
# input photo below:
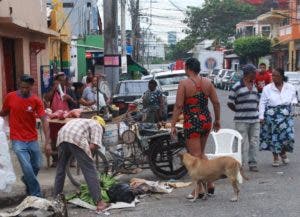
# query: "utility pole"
[[123, 37], [123, 27], [111, 70], [135, 24], [149, 33]]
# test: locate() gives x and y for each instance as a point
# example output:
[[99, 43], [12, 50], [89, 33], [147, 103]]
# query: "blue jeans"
[[29, 156]]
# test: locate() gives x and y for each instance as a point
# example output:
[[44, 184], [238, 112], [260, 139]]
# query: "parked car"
[[213, 74], [235, 77], [294, 79], [228, 75], [153, 71], [168, 84], [127, 91], [218, 78], [204, 73]]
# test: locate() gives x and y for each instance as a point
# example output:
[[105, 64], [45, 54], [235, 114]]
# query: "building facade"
[[289, 36], [253, 28], [23, 42], [172, 37], [153, 47]]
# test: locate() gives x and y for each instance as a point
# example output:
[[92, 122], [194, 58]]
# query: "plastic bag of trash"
[[121, 193], [7, 174]]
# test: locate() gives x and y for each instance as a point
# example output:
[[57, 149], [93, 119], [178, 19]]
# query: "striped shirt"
[[81, 132], [245, 102]]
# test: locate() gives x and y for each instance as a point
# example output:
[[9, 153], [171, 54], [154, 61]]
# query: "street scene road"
[[271, 192], [88, 88]]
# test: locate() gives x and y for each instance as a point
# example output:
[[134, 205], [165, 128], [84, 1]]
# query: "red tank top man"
[[263, 77]]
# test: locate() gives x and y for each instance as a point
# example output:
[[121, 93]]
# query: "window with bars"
[[298, 9], [265, 31]]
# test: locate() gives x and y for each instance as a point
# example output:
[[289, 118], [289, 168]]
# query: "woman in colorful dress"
[[192, 98], [275, 114]]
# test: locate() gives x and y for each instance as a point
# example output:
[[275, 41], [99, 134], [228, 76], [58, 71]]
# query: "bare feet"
[[101, 205]]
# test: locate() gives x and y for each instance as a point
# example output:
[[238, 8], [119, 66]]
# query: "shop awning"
[[9, 22], [133, 66]]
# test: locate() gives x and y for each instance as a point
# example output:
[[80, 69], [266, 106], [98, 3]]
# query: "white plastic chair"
[[224, 141]]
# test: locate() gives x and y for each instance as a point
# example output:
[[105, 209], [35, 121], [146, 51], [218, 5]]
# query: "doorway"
[[9, 65]]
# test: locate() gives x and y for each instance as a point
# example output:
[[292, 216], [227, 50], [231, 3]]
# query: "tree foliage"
[[217, 18], [251, 48], [181, 49]]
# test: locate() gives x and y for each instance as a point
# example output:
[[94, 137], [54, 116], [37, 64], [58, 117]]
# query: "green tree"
[[217, 19], [181, 49], [251, 48]]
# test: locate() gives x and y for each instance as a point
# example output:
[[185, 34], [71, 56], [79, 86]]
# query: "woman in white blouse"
[[275, 114]]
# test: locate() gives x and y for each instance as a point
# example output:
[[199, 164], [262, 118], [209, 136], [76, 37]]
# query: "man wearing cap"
[[23, 108], [244, 100], [79, 137]]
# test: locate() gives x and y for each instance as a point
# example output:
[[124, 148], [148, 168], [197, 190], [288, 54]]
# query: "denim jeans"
[[29, 157], [250, 134]]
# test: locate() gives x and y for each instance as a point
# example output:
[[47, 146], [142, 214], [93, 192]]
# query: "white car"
[[168, 83], [228, 75], [218, 78], [294, 79]]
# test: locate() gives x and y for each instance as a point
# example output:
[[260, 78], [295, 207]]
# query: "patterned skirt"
[[277, 132]]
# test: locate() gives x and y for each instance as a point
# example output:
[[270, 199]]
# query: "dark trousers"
[[54, 128], [86, 164]]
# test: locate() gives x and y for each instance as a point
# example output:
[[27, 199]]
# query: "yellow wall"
[[57, 23]]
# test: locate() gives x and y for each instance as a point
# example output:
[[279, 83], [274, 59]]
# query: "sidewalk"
[[46, 178]]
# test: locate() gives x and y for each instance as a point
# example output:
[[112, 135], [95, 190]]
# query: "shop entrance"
[[9, 65]]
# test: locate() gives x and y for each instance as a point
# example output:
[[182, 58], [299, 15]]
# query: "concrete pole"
[[123, 27], [110, 11]]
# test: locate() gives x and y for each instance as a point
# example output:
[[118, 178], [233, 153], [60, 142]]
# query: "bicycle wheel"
[[75, 174], [164, 160]]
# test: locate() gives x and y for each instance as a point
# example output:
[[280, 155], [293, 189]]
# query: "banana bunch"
[[85, 194], [106, 181]]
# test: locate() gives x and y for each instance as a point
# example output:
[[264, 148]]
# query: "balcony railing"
[[285, 30]]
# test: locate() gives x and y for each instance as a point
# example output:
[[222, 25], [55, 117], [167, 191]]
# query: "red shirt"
[[22, 115], [261, 80]]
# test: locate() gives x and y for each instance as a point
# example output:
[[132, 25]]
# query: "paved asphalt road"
[[272, 192]]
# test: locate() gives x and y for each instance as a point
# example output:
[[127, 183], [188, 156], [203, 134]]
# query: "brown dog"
[[202, 171]]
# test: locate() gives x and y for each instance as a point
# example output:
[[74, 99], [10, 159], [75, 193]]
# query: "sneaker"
[[276, 163], [285, 160], [253, 168]]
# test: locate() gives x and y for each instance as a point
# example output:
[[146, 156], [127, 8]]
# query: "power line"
[[68, 16], [162, 9], [178, 8]]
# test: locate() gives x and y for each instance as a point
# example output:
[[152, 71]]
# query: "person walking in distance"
[[263, 77], [244, 100], [23, 108]]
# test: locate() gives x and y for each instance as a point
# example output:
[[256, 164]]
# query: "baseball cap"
[[248, 68], [27, 78], [100, 120]]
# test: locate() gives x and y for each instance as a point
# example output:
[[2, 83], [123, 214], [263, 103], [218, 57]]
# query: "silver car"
[[294, 79]]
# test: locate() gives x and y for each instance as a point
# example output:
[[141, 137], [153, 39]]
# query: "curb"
[[17, 195]]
